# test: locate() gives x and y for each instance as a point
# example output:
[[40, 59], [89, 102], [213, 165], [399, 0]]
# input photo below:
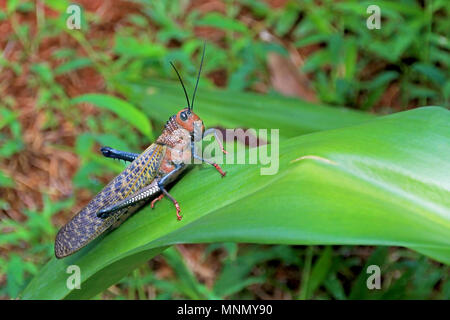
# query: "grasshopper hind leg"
[[140, 196], [119, 155], [145, 194]]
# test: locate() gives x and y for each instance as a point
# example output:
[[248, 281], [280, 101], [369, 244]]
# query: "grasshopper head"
[[188, 120]]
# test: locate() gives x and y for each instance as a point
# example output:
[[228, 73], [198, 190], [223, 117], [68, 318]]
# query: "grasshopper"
[[145, 178]]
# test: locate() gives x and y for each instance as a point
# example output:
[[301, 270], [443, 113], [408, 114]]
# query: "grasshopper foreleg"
[[196, 156], [119, 155], [214, 131], [215, 165]]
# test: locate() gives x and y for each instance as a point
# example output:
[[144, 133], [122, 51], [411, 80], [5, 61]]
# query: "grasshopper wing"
[[86, 226]]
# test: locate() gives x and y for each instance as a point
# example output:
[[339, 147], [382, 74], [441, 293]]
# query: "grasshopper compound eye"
[[183, 116]]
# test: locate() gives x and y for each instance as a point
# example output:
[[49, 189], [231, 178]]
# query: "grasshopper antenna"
[[199, 71], [184, 89]]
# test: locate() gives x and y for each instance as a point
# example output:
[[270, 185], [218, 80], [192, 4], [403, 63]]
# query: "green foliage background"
[[411, 51]]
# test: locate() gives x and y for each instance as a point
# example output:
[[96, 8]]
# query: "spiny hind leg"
[[117, 154], [144, 194], [140, 195]]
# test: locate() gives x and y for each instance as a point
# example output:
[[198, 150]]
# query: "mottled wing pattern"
[[86, 226]]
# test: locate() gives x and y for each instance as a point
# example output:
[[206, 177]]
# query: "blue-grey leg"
[[214, 131], [141, 195], [119, 155]]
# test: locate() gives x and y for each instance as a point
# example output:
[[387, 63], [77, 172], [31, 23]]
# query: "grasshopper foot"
[[178, 211], [152, 204], [218, 168]]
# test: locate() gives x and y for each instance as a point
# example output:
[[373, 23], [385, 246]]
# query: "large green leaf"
[[384, 182]]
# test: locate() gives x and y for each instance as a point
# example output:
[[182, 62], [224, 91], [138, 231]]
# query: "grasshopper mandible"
[[147, 176]]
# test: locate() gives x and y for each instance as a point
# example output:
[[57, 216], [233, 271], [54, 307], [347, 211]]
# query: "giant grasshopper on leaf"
[[145, 178]]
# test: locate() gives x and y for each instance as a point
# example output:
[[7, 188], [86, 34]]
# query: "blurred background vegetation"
[[319, 51]]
